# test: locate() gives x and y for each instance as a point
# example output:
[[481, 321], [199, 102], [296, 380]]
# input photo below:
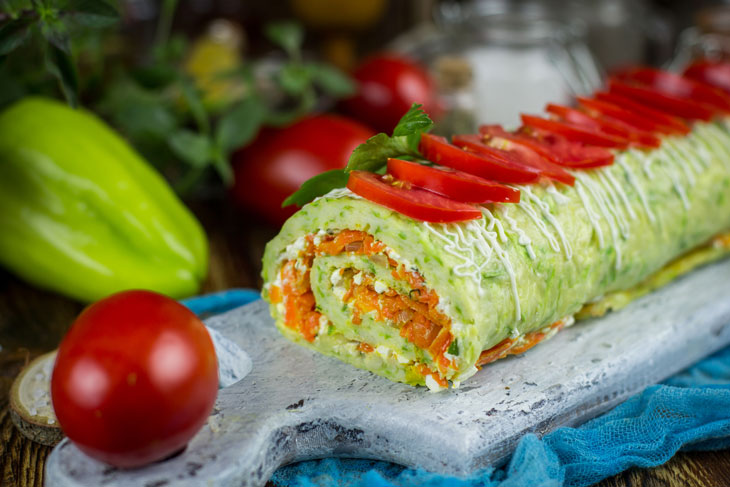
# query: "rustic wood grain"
[[33, 321]]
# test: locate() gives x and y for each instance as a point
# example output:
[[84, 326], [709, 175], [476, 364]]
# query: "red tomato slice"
[[714, 73], [438, 150], [415, 203], [555, 148], [671, 104], [607, 125], [641, 122], [516, 154], [677, 125], [676, 85], [453, 184], [573, 132]]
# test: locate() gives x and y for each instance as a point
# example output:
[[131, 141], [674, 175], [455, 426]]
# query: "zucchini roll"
[[429, 303]]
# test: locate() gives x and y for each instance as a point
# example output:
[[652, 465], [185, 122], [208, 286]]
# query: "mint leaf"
[[331, 80], [415, 121], [240, 125], [194, 149], [223, 167], [56, 32], [13, 34], [287, 35], [137, 111], [195, 104], [60, 65], [374, 153], [93, 13], [370, 156], [294, 79], [319, 185]]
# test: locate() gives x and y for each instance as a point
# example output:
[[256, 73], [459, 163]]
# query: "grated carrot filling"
[[509, 346], [420, 322]]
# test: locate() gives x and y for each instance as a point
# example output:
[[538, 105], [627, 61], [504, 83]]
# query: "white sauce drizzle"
[[481, 236], [685, 156], [700, 149], [485, 234], [494, 223], [522, 237], [592, 216], [338, 193], [619, 190], [558, 197], [553, 221], [526, 206], [673, 155], [634, 182], [647, 165], [614, 207], [710, 137], [603, 207], [677, 184]]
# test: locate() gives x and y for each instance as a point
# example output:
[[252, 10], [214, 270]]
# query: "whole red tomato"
[[388, 85], [135, 378], [280, 160]]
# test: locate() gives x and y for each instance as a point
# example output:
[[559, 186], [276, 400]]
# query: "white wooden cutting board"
[[296, 404]]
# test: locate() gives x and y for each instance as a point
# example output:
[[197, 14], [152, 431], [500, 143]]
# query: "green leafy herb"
[[331, 80], [287, 35], [371, 156], [453, 348], [60, 65], [193, 148], [319, 185], [240, 125], [13, 34], [195, 104], [93, 13], [157, 99]]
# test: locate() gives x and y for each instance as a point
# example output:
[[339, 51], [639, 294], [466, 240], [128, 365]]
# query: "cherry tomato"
[[515, 154], [596, 107], [714, 73], [677, 125], [388, 85], [280, 160], [553, 147], [671, 104], [607, 125], [135, 378], [455, 185], [415, 203], [574, 132], [676, 85], [438, 150]]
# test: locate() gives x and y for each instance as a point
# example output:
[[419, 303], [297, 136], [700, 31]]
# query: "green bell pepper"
[[81, 213]]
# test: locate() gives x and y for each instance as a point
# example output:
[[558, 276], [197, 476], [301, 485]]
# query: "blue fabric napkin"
[[689, 411]]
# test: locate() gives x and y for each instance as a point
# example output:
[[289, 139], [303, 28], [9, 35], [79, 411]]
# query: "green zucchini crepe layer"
[[519, 269]]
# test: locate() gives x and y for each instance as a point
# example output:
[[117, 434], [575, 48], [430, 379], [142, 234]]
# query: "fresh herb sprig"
[[24, 22], [371, 156], [157, 103]]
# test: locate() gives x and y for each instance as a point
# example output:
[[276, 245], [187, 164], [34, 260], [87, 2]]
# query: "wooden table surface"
[[33, 321]]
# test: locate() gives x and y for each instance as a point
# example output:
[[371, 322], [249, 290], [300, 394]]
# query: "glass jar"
[[491, 67]]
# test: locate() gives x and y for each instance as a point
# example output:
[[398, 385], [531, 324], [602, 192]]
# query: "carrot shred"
[[420, 321], [275, 294], [425, 371]]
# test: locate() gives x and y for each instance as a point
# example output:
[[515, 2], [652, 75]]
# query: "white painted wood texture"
[[296, 404]]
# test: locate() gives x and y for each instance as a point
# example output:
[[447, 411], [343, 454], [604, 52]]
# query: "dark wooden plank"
[[33, 321]]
